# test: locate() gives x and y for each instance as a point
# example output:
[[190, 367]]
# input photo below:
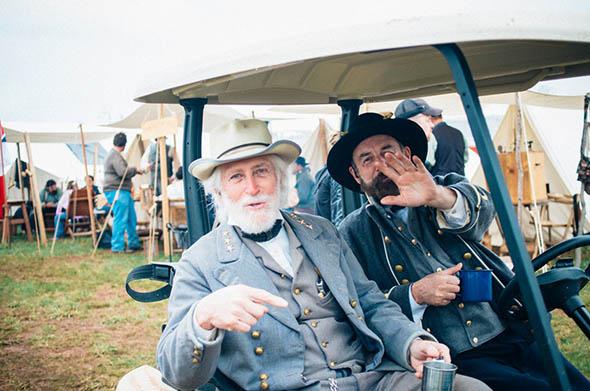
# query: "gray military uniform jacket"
[[220, 259], [396, 248]]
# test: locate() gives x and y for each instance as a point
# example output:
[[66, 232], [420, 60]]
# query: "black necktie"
[[266, 235]]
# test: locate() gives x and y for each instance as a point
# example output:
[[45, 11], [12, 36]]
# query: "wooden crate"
[[508, 164]]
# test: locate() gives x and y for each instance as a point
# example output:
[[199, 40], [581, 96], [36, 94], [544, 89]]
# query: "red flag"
[[3, 156]]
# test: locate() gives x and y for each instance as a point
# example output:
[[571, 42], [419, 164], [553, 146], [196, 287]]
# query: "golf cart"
[[488, 49]]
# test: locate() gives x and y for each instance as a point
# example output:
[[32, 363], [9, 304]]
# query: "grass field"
[[66, 321]]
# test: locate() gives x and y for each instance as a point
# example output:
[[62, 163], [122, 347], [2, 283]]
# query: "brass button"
[[428, 254], [321, 295], [468, 323], [332, 364], [475, 340], [196, 361], [353, 303], [314, 323], [467, 256], [359, 317], [197, 352], [263, 376], [414, 242], [324, 344], [478, 268], [283, 276], [439, 269], [438, 231], [387, 240], [405, 282], [297, 291], [256, 334], [428, 329], [399, 268], [461, 305], [400, 228], [264, 385], [259, 350], [306, 311]]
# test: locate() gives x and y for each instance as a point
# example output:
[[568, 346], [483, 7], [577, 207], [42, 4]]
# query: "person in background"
[[175, 190], [155, 173], [327, 193], [61, 210], [304, 186], [50, 195], [118, 173], [420, 112], [451, 152]]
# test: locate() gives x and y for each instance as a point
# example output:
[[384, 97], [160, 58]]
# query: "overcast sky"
[[82, 61]]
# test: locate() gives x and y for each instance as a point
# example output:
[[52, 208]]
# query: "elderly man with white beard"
[[270, 300]]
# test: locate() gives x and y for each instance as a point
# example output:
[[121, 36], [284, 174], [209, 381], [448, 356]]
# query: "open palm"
[[415, 183]]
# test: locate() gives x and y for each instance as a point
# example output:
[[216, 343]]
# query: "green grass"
[[66, 321]]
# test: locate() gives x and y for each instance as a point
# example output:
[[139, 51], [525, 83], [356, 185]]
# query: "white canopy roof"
[[55, 133], [214, 116], [509, 46], [449, 103]]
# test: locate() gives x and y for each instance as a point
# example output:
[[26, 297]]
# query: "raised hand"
[[438, 288], [422, 351], [415, 184], [235, 308]]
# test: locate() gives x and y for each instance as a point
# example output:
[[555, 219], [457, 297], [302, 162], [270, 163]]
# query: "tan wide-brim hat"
[[240, 140]]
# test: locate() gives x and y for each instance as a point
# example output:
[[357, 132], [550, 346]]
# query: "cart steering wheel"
[[560, 286]]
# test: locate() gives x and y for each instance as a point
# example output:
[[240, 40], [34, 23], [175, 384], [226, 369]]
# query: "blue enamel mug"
[[476, 286]]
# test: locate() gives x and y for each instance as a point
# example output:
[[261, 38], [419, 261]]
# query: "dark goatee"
[[379, 187]]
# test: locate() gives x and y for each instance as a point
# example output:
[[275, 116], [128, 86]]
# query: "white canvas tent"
[[46, 142], [557, 133], [315, 150]]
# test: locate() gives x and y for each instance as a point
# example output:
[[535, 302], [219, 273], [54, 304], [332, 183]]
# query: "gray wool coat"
[[396, 248], [220, 259]]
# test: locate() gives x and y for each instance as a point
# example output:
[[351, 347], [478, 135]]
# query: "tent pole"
[[35, 190], [582, 198], [22, 193], [518, 161], [536, 214], [88, 187], [164, 193]]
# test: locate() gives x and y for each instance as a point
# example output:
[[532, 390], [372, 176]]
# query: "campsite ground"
[[67, 323]]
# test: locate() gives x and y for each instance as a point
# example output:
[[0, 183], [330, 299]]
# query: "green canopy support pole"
[[197, 217], [350, 110], [537, 312]]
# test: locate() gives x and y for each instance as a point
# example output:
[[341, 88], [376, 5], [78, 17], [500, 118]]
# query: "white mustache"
[[247, 199]]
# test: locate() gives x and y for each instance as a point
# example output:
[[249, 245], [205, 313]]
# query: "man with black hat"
[[450, 147], [415, 233]]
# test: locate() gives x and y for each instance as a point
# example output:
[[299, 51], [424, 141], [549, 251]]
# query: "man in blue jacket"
[[415, 233]]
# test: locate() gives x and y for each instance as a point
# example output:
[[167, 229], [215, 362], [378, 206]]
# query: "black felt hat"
[[406, 132]]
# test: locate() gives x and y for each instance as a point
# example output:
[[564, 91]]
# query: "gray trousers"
[[385, 381]]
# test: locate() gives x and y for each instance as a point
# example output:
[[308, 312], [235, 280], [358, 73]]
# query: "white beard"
[[252, 221]]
